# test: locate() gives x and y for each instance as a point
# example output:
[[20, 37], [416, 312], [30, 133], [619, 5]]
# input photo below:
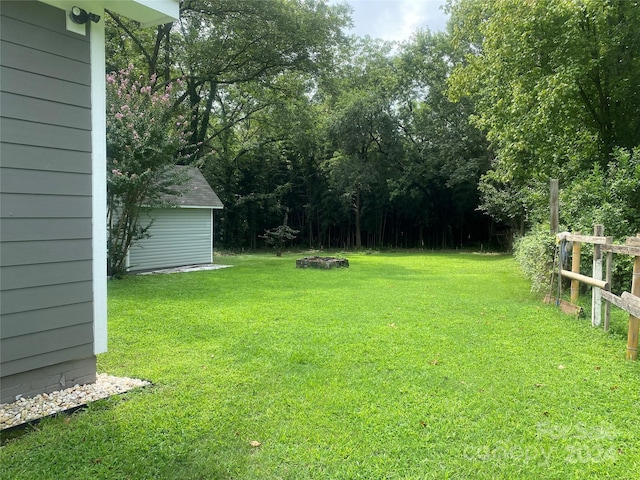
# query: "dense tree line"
[[555, 85], [446, 140], [353, 140]]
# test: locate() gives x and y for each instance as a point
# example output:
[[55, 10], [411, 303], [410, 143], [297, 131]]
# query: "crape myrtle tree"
[[144, 141]]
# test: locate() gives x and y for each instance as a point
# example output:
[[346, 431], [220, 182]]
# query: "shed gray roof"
[[197, 191]]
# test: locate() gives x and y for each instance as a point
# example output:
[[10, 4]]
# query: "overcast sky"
[[395, 19]]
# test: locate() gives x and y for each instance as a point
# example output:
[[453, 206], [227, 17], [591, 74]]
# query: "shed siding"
[[46, 299], [178, 236]]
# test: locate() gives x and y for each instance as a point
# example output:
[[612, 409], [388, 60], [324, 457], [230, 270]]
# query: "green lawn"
[[402, 366]]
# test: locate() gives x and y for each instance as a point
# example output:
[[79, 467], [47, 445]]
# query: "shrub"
[[534, 253], [610, 196]]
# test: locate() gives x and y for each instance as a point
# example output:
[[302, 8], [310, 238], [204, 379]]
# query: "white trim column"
[[99, 175]]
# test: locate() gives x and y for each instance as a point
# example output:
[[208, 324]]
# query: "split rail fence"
[[601, 287]]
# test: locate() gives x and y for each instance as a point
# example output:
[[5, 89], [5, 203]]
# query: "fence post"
[[607, 304], [596, 298], [554, 202], [634, 322], [575, 268]]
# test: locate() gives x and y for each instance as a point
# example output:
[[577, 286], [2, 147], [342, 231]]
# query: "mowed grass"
[[404, 366]]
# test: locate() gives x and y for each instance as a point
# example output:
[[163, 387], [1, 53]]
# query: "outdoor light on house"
[[81, 16]]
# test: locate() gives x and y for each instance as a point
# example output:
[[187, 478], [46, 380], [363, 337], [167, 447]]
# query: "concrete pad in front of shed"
[[186, 268]]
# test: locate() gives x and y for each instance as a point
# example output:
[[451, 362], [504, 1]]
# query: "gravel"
[[25, 410]]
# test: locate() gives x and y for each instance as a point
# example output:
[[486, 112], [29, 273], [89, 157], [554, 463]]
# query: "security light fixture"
[[81, 16]]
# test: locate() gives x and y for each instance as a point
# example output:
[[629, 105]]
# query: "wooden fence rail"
[[629, 302], [594, 282]]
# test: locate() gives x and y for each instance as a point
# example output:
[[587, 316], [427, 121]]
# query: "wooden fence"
[[601, 287]]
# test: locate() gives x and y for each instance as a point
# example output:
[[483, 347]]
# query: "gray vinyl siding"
[[46, 297], [178, 236]]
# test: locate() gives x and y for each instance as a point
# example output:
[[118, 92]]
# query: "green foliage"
[[370, 143], [148, 49], [503, 201], [555, 79], [535, 253], [279, 236], [144, 142], [512, 203], [445, 155], [608, 195], [399, 144], [375, 371], [361, 129], [356, 137], [555, 85]]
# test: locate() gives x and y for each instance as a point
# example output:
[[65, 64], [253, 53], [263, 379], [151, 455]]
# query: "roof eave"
[[209, 207], [147, 13]]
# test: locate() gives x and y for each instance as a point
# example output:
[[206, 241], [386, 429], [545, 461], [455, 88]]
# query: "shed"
[[181, 234], [53, 279]]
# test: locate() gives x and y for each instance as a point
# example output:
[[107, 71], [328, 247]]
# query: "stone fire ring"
[[325, 263]]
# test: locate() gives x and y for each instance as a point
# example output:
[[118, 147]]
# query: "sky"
[[396, 19]]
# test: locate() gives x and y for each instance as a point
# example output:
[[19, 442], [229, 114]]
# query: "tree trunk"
[[357, 211]]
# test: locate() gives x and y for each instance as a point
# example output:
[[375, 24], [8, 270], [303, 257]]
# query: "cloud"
[[396, 19]]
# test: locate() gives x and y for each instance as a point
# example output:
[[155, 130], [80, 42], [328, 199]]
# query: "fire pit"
[[322, 262]]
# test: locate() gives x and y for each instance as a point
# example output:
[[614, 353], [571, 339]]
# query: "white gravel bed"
[[24, 410]]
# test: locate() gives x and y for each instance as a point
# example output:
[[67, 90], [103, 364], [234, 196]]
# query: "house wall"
[[46, 298], [178, 236]]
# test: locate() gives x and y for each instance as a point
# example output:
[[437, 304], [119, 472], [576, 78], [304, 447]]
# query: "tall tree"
[[222, 43], [363, 127], [356, 142], [555, 85], [445, 153]]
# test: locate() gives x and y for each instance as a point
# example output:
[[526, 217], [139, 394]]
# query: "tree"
[[149, 50], [144, 139], [226, 43], [445, 155], [355, 140], [259, 162], [279, 236], [554, 82], [246, 67], [362, 127]]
